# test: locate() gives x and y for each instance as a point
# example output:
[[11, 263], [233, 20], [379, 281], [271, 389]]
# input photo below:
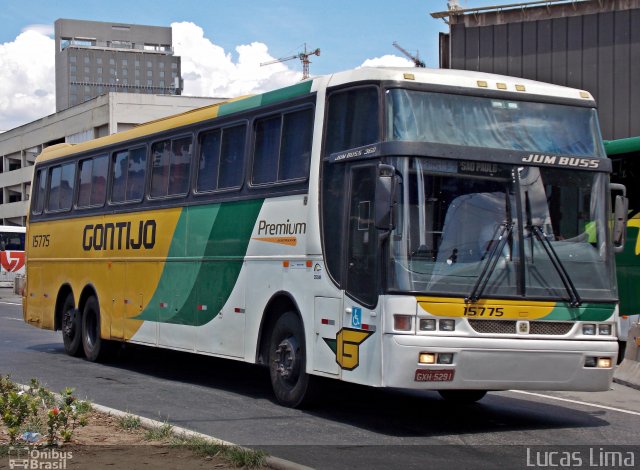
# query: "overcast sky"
[[221, 43]]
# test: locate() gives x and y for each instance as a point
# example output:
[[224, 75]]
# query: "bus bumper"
[[497, 364]]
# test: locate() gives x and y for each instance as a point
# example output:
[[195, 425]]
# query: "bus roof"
[[461, 78], [443, 77], [179, 120]]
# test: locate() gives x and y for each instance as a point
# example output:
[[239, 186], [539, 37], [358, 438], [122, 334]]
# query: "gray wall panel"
[[559, 50], [486, 50], [574, 52], [515, 54], [472, 49], [543, 69], [621, 88], [500, 49], [605, 77]]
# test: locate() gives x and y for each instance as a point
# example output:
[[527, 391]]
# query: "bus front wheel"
[[462, 396], [287, 361], [71, 327], [95, 348]]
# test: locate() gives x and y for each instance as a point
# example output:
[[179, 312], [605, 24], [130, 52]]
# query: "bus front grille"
[[508, 327]]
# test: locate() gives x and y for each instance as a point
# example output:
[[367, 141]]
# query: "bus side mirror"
[[620, 211], [385, 197]]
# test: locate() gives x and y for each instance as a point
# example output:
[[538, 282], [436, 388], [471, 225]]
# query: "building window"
[[124, 62], [99, 61], [72, 69], [72, 59], [87, 60]]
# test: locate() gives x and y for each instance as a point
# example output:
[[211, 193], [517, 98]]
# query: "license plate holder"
[[434, 375]]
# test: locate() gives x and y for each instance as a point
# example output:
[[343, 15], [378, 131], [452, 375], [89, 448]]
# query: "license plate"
[[434, 375]]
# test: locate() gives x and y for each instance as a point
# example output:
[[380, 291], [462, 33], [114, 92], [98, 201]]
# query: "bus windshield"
[[514, 231], [492, 123]]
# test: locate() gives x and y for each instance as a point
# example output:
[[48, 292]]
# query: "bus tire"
[[287, 361], [95, 348], [71, 327], [462, 396]]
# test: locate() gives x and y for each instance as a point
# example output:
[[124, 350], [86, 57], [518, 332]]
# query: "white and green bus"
[[421, 229]]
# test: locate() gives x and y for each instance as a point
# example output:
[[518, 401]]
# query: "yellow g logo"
[[346, 346]]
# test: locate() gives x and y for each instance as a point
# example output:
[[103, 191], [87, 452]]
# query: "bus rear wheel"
[[71, 327], [462, 396], [287, 361], [95, 348]]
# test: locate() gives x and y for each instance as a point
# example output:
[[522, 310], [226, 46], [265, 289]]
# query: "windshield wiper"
[[490, 265], [574, 297]]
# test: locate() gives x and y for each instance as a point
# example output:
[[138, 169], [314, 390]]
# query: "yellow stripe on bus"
[[486, 308]]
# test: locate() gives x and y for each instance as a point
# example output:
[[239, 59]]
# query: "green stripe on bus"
[[586, 312], [265, 99], [196, 290]]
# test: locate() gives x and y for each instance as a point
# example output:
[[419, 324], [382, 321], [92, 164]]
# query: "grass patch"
[[160, 433], [235, 455], [129, 422]]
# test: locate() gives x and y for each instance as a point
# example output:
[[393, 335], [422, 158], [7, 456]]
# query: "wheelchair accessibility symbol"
[[356, 317]]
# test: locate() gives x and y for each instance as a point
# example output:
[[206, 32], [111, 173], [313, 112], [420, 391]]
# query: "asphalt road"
[[352, 427]]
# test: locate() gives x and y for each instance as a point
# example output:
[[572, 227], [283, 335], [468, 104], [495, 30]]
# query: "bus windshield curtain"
[[491, 123]]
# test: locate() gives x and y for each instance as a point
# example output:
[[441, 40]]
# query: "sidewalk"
[[7, 295]]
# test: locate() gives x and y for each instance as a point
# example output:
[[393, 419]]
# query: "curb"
[[275, 463], [272, 462]]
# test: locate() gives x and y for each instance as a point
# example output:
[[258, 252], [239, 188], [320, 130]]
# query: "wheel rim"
[[287, 360], [69, 323]]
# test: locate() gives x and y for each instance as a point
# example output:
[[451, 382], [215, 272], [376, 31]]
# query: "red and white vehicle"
[[11, 254]]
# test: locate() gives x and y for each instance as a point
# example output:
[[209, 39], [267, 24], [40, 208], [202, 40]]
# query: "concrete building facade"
[[103, 115], [93, 58]]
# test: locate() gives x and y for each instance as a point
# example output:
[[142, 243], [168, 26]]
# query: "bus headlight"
[[588, 329], [604, 329], [447, 325], [427, 324]]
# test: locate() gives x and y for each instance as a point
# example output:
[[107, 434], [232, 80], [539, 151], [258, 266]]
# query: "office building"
[[93, 58]]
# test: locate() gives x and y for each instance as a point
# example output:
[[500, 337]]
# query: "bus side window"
[[297, 133], [40, 192], [92, 182], [61, 187]]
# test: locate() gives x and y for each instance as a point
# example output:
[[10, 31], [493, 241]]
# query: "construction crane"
[[415, 58], [304, 58]]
